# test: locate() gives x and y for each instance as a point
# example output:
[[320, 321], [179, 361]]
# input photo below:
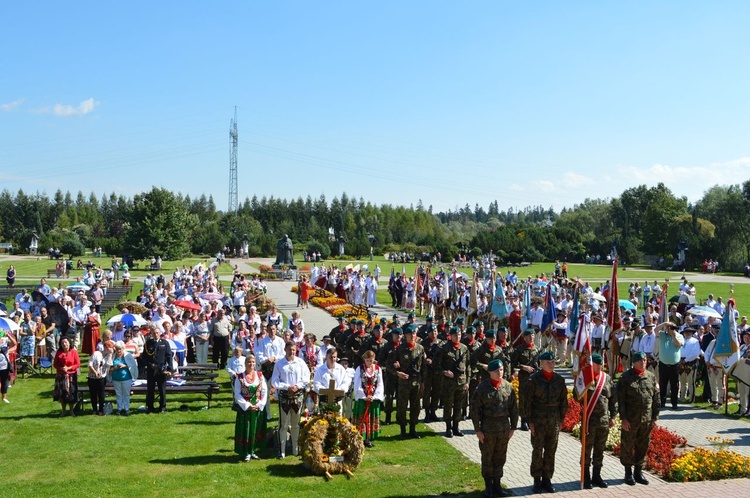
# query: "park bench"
[[51, 272], [206, 388]]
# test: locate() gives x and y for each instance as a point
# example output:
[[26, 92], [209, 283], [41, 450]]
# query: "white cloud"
[[65, 110], [571, 179], [516, 188], [11, 105], [545, 185]]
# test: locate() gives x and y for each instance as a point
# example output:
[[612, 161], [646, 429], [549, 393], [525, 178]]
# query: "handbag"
[[108, 408]]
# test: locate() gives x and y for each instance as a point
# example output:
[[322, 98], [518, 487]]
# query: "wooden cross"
[[331, 393]]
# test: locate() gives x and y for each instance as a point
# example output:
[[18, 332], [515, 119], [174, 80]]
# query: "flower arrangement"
[[330, 444], [661, 450], [265, 268], [703, 464], [613, 438], [573, 417]]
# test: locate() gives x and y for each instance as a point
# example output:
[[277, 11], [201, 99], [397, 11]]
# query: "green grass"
[[190, 453]]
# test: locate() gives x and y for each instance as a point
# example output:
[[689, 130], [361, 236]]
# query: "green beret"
[[428, 319], [547, 355], [489, 333], [397, 330], [411, 315], [376, 326], [439, 317], [430, 328], [384, 320], [454, 330], [477, 323], [638, 356], [502, 329], [448, 323], [469, 330], [409, 329], [597, 358], [460, 320], [494, 365], [528, 331]]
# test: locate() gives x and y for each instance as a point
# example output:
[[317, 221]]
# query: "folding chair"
[[45, 365]]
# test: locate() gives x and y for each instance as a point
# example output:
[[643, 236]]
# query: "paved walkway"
[[694, 424]]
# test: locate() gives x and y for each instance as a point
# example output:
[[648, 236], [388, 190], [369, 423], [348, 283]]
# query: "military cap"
[[477, 323], [494, 365], [489, 333], [469, 330], [384, 320], [502, 328], [547, 355], [397, 330], [454, 330], [395, 317], [440, 317], [408, 330], [460, 320], [376, 327], [340, 319], [411, 315], [597, 358], [638, 356], [428, 319], [528, 331], [431, 327]]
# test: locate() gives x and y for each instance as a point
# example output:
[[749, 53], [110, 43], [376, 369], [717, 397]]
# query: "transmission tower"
[[233, 163]]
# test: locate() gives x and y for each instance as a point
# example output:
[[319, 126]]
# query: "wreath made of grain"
[[312, 439]]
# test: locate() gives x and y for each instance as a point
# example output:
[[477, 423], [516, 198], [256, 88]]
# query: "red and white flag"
[[583, 370]]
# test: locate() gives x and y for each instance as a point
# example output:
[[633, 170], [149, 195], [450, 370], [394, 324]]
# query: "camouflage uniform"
[[605, 409], [353, 345], [410, 362], [473, 374], [390, 380], [495, 413], [454, 388], [523, 355], [638, 400], [544, 405], [433, 378], [482, 357]]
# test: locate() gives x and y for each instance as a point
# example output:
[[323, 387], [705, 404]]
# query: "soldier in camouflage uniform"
[[433, 376], [406, 362], [423, 330], [469, 339], [525, 361], [506, 351], [601, 419], [390, 380], [545, 403], [638, 400], [484, 354], [355, 343], [494, 413], [374, 343], [454, 363]]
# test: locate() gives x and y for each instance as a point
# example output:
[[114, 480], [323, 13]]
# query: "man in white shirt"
[[331, 370], [290, 378], [691, 353], [647, 342], [269, 350], [720, 307]]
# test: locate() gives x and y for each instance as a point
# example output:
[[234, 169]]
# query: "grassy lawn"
[[191, 453]]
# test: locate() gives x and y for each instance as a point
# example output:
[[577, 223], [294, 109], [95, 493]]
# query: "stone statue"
[[284, 251]]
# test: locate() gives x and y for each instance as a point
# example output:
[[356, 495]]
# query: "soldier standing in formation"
[[433, 376], [601, 394], [525, 361], [454, 364], [484, 354], [506, 351], [638, 400], [406, 363], [390, 379], [545, 403], [469, 339], [494, 413]]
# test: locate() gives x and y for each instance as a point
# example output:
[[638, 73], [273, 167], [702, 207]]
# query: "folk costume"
[[366, 414], [250, 395]]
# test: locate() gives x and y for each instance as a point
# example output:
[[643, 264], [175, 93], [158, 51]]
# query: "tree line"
[[643, 223]]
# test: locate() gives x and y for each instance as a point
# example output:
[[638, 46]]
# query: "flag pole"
[[584, 426]]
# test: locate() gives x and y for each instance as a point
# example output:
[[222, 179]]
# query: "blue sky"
[[529, 103]]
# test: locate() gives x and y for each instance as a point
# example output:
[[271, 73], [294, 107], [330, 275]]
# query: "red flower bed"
[[661, 450], [573, 417]]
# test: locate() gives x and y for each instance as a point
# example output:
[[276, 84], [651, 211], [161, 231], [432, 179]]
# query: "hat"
[[397, 330], [340, 319], [326, 337], [636, 322], [469, 330], [410, 315], [638, 356], [383, 320], [626, 319], [454, 330], [495, 364], [428, 319], [561, 312], [597, 358], [460, 320], [409, 329], [440, 317], [477, 323], [597, 316], [528, 331], [547, 355], [502, 328], [489, 333], [690, 330], [395, 317], [650, 324], [376, 327], [343, 359], [430, 328]]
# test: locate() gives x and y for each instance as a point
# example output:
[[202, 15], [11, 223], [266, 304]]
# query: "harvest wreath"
[[330, 444]]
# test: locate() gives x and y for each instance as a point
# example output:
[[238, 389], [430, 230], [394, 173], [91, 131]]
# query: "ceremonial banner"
[[727, 346], [583, 370], [614, 317], [549, 309]]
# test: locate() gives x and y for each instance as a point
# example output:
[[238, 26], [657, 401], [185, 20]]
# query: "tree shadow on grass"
[[198, 460], [282, 470], [205, 422]]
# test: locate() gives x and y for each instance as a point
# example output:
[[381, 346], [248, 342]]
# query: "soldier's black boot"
[[538, 485], [638, 475], [388, 418], [487, 487], [586, 478], [629, 476], [547, 485], [596, 479], [524, 425], [456, 430], [403, 431], [413, 432], [497, 488], [448, 432]]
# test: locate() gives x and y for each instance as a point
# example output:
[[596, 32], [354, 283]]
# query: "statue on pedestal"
[[284, 251]]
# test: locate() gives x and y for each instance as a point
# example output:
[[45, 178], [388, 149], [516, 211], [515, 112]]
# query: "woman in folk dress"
[[369, 393]]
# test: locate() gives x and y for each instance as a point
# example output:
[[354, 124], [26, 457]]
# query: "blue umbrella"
[[127, 319], [8, 324], [78, 286], [624, 303]]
